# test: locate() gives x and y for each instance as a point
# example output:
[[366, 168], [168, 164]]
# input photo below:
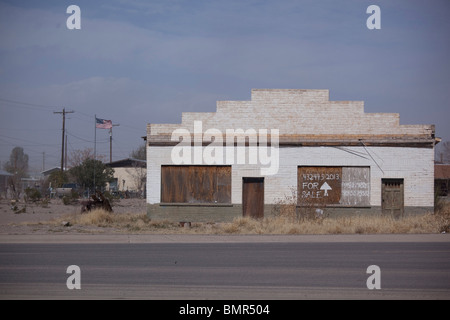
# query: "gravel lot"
[[37, 218]]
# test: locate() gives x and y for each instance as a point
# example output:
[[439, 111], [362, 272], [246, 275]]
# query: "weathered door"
[[392, 202], [253, 197]]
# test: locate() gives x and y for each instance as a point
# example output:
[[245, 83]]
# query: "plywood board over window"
[[355, 186], [319, 185], [196, 184], [333, 186]]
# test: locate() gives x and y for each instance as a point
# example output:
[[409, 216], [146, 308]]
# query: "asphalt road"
[[267, 270]]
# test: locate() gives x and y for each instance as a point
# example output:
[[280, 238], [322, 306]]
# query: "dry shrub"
[[282, 223], [358, 224], [128, 222], [442, 217], [97, 217], [311, 219], [287, 208], [242, 225]]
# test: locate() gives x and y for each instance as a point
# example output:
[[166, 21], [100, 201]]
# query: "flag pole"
[[95, 145]]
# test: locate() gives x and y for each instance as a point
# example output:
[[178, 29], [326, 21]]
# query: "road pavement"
[[226, 268]]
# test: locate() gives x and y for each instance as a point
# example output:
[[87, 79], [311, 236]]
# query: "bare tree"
[[139, 153], [18, 167], [18, 162], [77, 157], [138, 174], [443, 152]]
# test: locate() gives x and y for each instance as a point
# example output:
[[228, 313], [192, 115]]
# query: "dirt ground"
[[129, 217], [36, 217]]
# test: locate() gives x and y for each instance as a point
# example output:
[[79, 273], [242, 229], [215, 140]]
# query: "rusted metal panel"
[[196, 184], [355, 186], [319, 185], [253, 197]]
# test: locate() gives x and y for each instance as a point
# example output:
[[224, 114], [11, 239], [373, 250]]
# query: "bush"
[[442, 215], [287, 208], [439, 203], [72, 198], [110, 196], [45, 202], [66, 200], [32, 194], [97, 217]]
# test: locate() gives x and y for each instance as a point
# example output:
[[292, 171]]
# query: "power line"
[[85, 114], [364, 145], [27, 104], [27, 130], [118, 147], [25, 140], [134, 129], [33, 106], [83, 139]]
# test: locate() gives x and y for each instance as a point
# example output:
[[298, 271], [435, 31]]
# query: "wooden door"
[[253, 197], [392, 198]]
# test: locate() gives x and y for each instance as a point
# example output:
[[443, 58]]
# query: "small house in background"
[[32, 182], [442, 179], [48, 172], [129, 177], [248, 156]]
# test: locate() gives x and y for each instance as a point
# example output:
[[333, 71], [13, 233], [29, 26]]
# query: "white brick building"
[[332, 153]]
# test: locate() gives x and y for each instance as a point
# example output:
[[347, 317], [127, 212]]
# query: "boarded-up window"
[[341, 186], [355, 186], [319, 185], [196, 184]]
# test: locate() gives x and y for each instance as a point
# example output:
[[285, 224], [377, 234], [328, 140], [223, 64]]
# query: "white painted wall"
[[127, 178], [294, 111], [310, 114], [414, 165]]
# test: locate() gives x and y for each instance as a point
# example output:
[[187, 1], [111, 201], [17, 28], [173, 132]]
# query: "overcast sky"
[[137, 62]]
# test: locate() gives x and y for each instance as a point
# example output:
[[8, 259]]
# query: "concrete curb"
[[174, 238]]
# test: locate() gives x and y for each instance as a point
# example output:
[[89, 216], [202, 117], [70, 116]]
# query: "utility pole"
[[43, 161], [110, 141], [65, 154], [64, 112]]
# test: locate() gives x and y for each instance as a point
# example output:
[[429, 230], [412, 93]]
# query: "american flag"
[[103, 124]]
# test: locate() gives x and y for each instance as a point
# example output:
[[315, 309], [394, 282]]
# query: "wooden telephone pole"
[[110, 141], [64, 112]]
